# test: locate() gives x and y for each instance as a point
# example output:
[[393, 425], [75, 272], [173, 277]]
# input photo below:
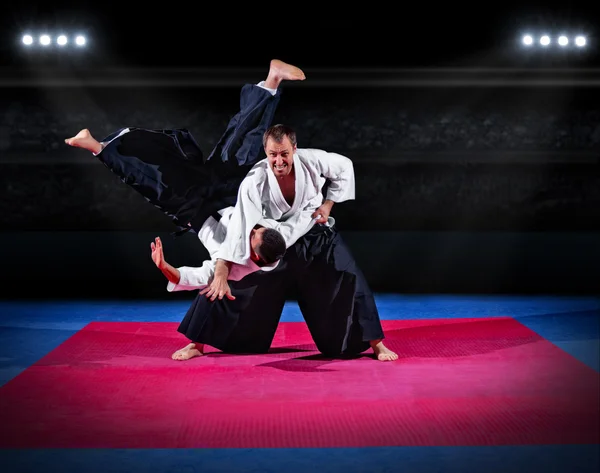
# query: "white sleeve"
[[211, 236], [340, 172], [193, 278], [293, 228], [246, 214], [262, 85]]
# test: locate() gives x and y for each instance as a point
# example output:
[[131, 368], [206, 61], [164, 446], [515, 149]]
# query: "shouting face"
[[280, 156]]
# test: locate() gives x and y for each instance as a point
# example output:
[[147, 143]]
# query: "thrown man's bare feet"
[[280, 71], [189, 351], [382, 353], [85, 140]]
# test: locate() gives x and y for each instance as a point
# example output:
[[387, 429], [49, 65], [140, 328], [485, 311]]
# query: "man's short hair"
[[278, 133], [272, 247]]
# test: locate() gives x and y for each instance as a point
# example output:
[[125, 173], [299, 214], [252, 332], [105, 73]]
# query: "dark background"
[[378, 34], [477, 162]]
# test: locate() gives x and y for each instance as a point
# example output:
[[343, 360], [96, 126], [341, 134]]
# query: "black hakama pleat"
[[319, 272], [167, 167]]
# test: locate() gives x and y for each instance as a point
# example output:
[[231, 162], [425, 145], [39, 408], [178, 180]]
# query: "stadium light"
[[547, 40], [46, 39], [527, 40]]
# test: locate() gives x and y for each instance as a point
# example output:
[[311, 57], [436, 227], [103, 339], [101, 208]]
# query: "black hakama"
[[168, 168], [320, 273]]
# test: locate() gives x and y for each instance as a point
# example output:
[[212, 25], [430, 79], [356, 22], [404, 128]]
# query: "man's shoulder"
[[259, 170], [257, 174], [310, 154]]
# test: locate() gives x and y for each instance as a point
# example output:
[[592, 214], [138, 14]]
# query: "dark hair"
[[272, 247], [278, 133]]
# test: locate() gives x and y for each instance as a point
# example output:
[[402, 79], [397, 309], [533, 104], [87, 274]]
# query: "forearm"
[[222, 268], [328, 203], [171, 273]]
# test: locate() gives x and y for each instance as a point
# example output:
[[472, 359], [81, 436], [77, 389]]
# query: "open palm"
[[157, 252]]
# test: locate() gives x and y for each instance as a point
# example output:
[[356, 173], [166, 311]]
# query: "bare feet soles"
[[382, 353], [189, 351], [280, 71], [85, 140]]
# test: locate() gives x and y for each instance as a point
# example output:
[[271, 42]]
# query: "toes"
[[387, 357], [177, 355]]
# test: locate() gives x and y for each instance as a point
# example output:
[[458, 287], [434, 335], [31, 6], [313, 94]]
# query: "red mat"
[[458, 382]]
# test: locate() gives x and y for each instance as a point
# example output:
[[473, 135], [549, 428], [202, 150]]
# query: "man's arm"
[[338, 169], [321, 215], [192, 278], [171, 273], [247, 212], [293, 228], [157, 254], [219, 287], [184, 278]]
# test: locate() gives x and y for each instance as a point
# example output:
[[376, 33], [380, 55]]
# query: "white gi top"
[[212, 234], [260, 200]]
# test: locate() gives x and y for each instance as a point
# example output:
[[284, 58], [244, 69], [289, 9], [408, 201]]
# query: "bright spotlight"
[[545, 40], [527, 40], [44, 40], [27, 39], [580, 41], [61, 40], [80, 40], [563, 40]]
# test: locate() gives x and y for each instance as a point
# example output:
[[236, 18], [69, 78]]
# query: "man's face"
[[280, 156], [255, 242]]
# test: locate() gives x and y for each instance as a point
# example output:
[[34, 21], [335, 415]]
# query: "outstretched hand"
[[157, 252]]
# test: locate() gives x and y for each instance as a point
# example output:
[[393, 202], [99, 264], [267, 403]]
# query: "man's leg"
[[241, 143], [85, 140], [156, 163], [334, 297], [244, 325]]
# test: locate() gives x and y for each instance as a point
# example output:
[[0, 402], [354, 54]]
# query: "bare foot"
[[189, 351], [382, 352], [85, 140], [280, 71]]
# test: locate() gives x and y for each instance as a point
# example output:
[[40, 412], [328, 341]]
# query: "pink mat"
[[458, 382]]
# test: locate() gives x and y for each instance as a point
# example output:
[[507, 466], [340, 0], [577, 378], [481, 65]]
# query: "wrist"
[[164, 266]]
